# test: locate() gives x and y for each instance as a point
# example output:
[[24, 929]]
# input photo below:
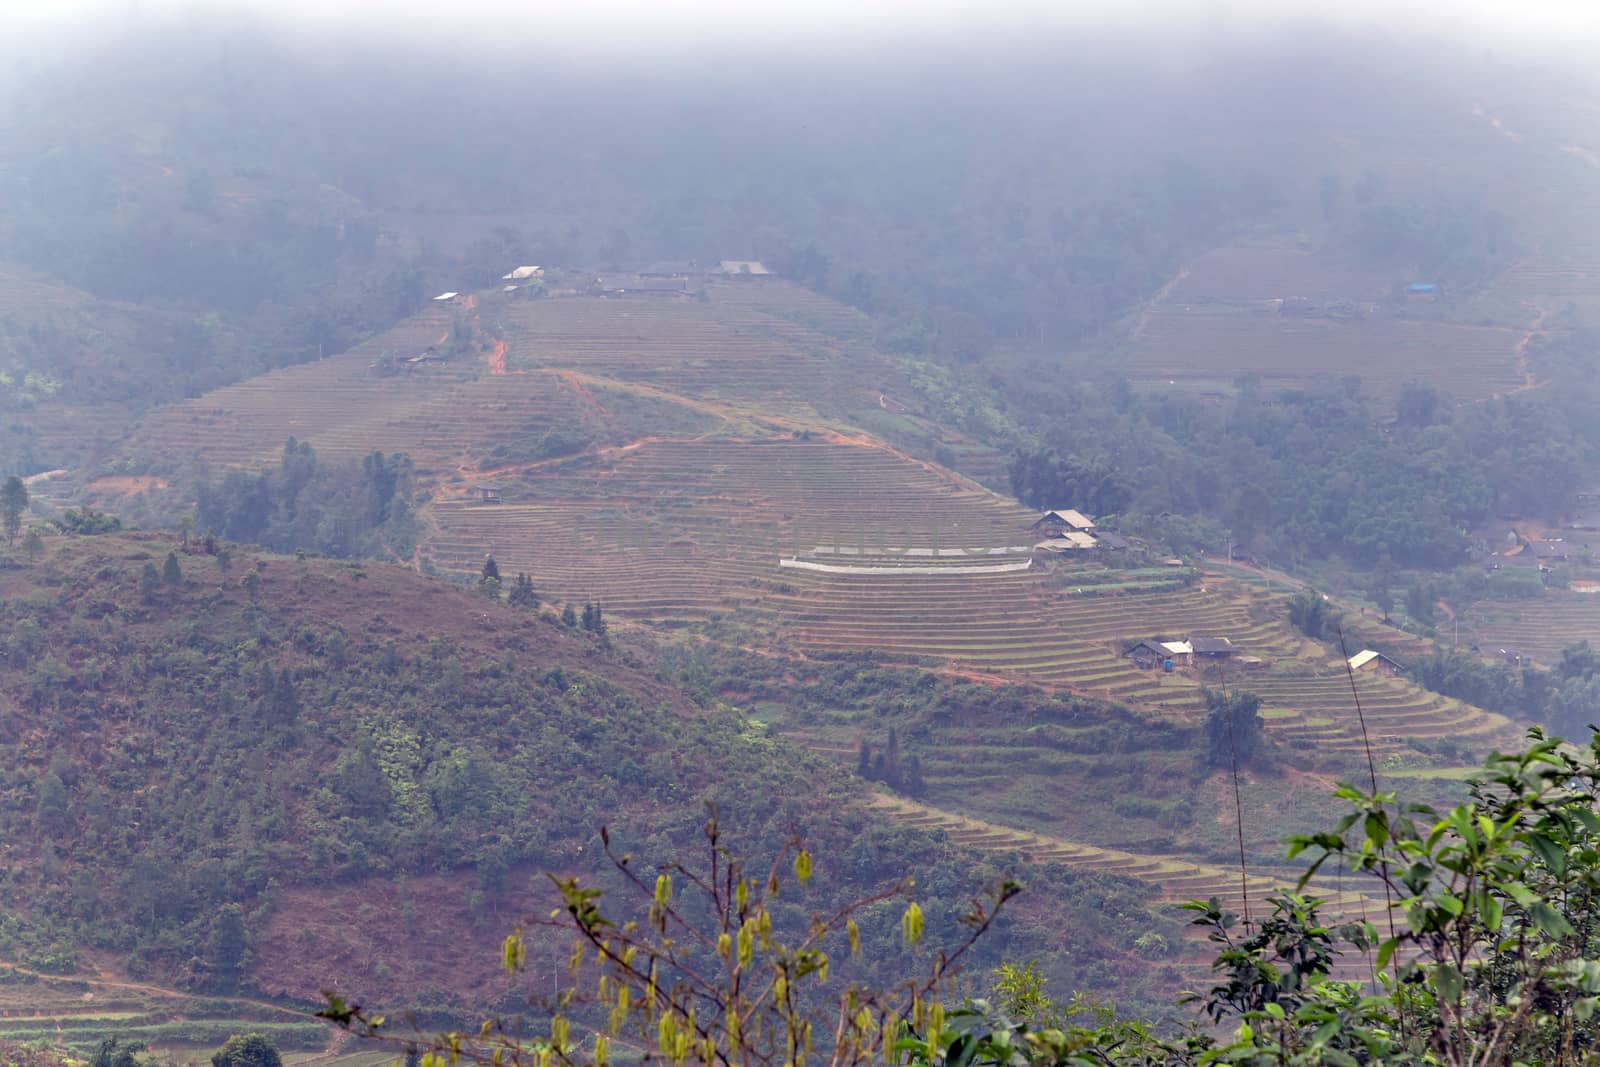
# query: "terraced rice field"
[[79, 1012], [1539, 628], [682, 531], [673, 529], [1246, 273], [1174, 879], [724, 348], [562, 356], [1469, 362]]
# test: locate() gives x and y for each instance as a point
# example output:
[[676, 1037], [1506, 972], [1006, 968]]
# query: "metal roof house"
[[446, 298], [521, 274], [1064, 519], [1376, 662]]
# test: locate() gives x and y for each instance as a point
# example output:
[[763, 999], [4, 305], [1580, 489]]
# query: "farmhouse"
[[1212, 649], [1148, 655], [1058, 523], [446, 298], [1549, 551], [487, 494], [1374, 663], [522, 274], [1180, 652], [743, 267], [1115, 542]]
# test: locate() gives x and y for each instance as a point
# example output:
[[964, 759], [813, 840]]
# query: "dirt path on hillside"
[[585, 397], [1535, 330], [1160, 297]]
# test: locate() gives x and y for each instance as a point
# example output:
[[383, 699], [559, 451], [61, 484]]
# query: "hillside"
[[272, 776]]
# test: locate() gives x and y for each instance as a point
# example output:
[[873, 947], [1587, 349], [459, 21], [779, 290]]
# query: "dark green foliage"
[[114, 1053], [1233, 727], [1566, 699], [13, 502], [569, 617], [149, 580], [1312, 614], [87, 520], [522, 594], [247, 1050], [171, 573], [230, 947], [1306, 473], [491, 570], [1049, 480], [340, 510], [902, 774], [594, 620]]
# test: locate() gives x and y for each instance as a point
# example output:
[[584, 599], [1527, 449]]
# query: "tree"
[[491, 569], [111, 1052], [522, 594], [87, 520], [247, 1050], [1233, 726], [569, 618], [1312, 614], [13, 502], [33, 544], [149, 580], [171, 573], [230, 946], [593, 619]]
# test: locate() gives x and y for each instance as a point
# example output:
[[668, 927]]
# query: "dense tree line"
[[339, 509], [1565, 698], [1308, 473]]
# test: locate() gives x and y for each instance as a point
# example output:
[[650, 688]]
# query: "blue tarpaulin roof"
[[1422, 287]]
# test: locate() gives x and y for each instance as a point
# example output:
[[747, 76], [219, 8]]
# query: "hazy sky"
[[664, 24]]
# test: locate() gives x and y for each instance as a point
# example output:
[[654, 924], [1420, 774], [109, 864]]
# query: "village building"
[[1058, 523], [1550, 551], [1374, 663], [1211, 650], [1180, 652], [1071, 541], [743, 267], [487, 494], [1148, 655], [522, 274], [1114, 542], [447, 298]]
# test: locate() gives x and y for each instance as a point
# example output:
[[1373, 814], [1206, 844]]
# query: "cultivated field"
[[745, 343], [604, 371], [79, 1011], [1468, 362], [1540, 628], [1242, 273]]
